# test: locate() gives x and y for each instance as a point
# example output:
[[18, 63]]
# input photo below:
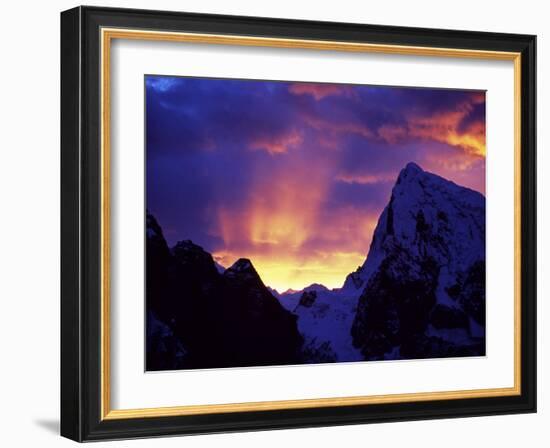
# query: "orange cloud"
[[279, 144], [319, 91], [290, 238], [478, 97], [445, 127]]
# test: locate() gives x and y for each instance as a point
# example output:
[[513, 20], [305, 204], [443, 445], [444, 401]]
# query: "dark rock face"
[[354, 281], [443, 316], [314, 352], [211, 320], [164, 350], [394, 306], [307, 299], [471, 292], [424, 277]]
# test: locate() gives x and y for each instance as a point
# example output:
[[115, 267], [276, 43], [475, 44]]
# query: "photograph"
[[307, 223]]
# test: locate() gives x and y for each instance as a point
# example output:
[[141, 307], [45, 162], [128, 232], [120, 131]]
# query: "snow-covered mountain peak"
[[432, 216], [427, 215], [317, 287], [410, 170], [425, 271]]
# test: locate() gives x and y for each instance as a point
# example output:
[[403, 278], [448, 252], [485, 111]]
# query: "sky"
[[294, 175]]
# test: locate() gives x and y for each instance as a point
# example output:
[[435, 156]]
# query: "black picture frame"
[[81, 224]]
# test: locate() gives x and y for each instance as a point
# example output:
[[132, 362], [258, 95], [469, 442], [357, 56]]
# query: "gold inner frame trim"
[[107, 35]]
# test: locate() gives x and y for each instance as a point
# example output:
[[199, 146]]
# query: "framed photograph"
[[274, 223]]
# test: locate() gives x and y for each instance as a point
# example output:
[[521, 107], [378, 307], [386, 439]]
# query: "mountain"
[[422, 285], [290, 291], [419, 294], [198, 317], [164, 350], [297, 293], [219, 267], [324, 320]]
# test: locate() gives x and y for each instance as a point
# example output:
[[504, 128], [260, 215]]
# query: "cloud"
[[393, 133], [319, 91], [161, 83], [446, 128], [462, 124], [278, 144]]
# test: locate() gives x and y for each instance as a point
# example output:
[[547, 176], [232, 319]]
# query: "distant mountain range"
[[419, 294]]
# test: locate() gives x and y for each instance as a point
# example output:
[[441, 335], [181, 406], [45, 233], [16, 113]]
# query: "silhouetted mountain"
[[219, 267], [164, 350], [423, 282], [208, 319]]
